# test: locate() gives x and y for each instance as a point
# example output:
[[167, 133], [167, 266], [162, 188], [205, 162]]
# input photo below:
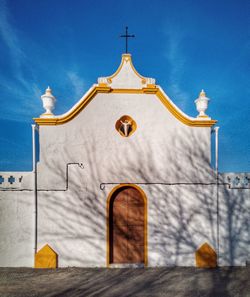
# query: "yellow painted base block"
[[46, 257], [206, 257]]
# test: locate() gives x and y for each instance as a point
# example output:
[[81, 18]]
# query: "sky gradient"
[[186, 45]]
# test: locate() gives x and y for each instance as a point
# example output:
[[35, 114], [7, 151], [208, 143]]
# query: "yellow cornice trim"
[[105, 89], [127, 91]]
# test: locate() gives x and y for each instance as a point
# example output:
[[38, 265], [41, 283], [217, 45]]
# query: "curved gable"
[[126, 80]]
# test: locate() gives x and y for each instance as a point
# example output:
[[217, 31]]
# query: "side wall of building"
[[234, 219], [16, 220]]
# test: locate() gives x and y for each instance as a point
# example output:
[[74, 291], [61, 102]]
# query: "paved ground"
[[169, 282]]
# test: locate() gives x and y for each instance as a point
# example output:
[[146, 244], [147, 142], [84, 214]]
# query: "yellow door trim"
[[145, 220]]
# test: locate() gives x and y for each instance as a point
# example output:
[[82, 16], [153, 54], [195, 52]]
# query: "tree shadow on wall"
[[182, 208]]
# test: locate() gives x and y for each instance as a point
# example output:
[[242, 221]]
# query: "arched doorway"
[[127, 226]]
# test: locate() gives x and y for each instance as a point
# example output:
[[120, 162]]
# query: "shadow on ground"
[[177, 282]]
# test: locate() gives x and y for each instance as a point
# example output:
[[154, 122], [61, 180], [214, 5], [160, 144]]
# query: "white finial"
[[202, 104], [48, 103], [202, 93]]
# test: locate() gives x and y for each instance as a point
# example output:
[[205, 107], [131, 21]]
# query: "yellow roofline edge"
[[106, 89], [126, 58]]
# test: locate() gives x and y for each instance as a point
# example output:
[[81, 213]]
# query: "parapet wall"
[[236, 180], [16, 180]]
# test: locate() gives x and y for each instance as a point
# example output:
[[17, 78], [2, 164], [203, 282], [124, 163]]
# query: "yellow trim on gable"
[[145, 220], [105, 89], [181, 117], [125, 59], [75, 112]]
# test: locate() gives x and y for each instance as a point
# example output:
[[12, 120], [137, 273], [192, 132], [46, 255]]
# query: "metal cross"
[[127, 36]]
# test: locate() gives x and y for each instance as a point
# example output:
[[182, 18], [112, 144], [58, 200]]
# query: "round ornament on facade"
[[126, 126]]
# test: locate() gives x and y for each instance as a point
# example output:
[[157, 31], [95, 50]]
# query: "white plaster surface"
[[127, 77], [16, 229], [234, 216], [159, 139], [72, 207]]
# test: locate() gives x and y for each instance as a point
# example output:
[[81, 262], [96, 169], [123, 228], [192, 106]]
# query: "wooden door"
[[127, 227]]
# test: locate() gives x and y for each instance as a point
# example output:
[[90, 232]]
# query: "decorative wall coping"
[[236, 180], [24, 180], [15, 180]]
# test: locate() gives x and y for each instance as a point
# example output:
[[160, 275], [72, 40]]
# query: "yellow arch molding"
[[126, 58], [106, 89], [113, 191]]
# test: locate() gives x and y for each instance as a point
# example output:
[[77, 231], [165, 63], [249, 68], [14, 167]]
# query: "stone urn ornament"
[[48, 103], [202, 104]]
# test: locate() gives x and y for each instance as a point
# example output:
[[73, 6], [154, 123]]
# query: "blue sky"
[[186, 45]]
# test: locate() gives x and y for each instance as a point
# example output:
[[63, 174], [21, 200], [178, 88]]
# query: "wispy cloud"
[[77, 83], [17, 86], [176, 60], [10, 39]]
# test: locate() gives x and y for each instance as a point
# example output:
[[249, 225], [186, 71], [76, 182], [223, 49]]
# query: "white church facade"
[[124, 178]]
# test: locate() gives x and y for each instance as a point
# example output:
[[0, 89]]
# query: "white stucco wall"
[[234, 227], [73, 222], [81, 162], [16, 228], [16, 219], [180, 219], [162, 150], [161, 146]]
